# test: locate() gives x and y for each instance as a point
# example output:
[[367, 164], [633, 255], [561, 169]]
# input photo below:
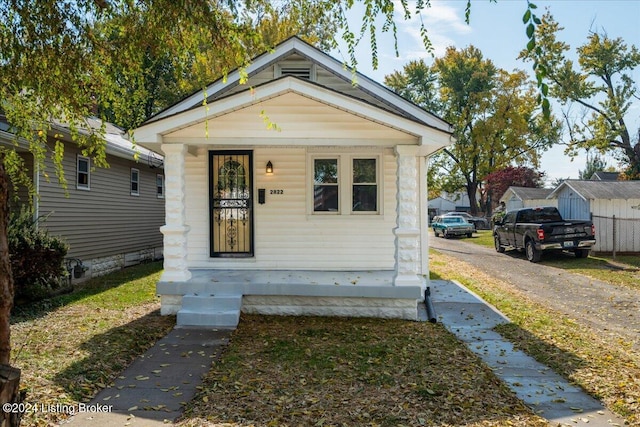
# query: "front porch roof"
[[284, 102]]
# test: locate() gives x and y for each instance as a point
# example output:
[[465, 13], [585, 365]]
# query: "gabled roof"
[[117, 143], [528, 193], [605, 176], [591, 190], [368, 90]]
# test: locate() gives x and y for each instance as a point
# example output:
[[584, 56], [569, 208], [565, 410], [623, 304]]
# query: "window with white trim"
[[135, 182], [364, 189], [345, 184], [160, 186], [326, 191], [83, 173]]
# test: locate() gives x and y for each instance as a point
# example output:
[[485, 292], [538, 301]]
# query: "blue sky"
[[497, 30]]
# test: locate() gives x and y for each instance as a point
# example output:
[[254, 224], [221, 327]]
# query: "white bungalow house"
[[302, 191]]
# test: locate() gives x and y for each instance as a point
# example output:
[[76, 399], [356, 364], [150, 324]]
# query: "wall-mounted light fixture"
[[269, 169]]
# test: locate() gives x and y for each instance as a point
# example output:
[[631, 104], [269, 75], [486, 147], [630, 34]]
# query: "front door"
[[231, 203]]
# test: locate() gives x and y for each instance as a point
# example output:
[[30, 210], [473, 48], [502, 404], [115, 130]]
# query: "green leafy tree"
[[600, 84], [496, 118], [595, 163], [161, 73]]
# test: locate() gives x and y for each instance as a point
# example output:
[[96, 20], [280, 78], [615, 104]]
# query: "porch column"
[[407, 231], [175, 230]]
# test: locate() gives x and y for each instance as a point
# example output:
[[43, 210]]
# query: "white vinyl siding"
[[287, 236]]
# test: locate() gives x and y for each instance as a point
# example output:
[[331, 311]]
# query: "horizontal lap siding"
[[106, 220], [286, 235]]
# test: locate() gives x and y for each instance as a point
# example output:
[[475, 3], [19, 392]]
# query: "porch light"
[[269, 169]]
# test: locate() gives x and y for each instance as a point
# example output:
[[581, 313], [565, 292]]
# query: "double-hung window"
[[364, 191], [135, 182], [346, 184], [83, 172]]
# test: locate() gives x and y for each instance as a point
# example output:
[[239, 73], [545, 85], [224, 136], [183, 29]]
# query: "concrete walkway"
[[154, 388], [550, 396]]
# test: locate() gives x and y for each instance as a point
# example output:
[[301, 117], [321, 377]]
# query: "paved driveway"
[[610, 309]]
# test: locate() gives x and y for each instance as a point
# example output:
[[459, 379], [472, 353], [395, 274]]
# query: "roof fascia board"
[[565, 184], [322, 59], [428, 136]]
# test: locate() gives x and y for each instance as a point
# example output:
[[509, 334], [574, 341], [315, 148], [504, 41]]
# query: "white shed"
[[613, 206], [526, 197], [299, 192]]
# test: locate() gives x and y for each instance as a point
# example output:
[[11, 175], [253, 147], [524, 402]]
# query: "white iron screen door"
[[231, 201]]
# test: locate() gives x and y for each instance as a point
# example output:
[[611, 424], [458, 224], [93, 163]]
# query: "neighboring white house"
[[613, 206], [449, 202], [526, 197], [280, 189]]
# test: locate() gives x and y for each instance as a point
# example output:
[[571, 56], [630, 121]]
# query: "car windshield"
[[452, 220]]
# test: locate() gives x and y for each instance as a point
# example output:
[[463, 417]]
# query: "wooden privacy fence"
[[616, 234]]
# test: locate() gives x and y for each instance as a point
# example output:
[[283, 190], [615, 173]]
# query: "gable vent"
[[300, 72]]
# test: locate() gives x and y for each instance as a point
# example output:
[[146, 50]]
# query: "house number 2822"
[[276, 191]]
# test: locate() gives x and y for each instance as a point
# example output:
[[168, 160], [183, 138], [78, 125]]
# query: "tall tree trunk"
[[6, 278], [472, 190], [9, 377]]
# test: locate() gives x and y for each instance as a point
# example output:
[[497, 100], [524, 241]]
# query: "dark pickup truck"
[[542, 229]]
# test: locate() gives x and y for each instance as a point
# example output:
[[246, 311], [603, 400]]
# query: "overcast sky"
[[497, 30]]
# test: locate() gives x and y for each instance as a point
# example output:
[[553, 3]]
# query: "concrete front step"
[[222, 311]]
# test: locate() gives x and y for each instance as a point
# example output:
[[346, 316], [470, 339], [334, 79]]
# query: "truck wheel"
[[469, 235], [532, 253], [582, 253], [496, 241], [435, 233]]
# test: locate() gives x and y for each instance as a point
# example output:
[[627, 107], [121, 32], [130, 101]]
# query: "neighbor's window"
[[160, 186], [364, 194], [135, 182], [325, 185], [83, 171]]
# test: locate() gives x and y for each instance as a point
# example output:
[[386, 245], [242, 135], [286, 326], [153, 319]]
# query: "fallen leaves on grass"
[[70, 352], [351, 372]]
